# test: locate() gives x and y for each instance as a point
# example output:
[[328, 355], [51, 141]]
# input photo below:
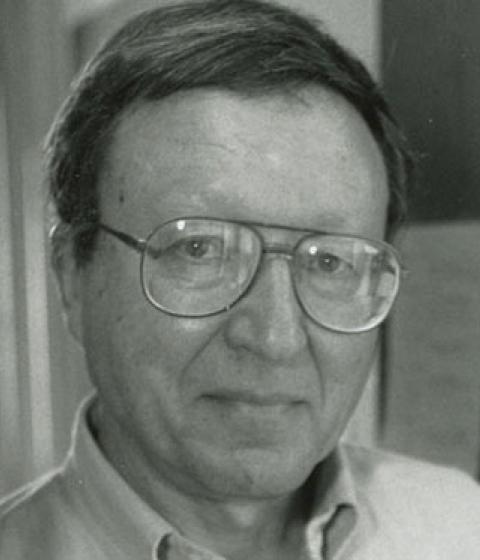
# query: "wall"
[[33, 73], [430, 64]]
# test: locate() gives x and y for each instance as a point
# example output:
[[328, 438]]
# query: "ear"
[[70, 280]]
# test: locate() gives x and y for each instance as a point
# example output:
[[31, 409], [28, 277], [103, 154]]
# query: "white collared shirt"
[[368, 505]]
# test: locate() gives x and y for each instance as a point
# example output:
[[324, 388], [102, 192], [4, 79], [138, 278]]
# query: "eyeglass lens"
[[199, 267]]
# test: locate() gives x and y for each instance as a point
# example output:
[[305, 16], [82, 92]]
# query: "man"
[[225, 176]]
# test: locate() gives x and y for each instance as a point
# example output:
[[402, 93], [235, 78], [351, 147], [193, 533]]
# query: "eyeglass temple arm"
[[137, 244]]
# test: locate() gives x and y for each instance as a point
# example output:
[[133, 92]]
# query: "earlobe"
[[70, 282]]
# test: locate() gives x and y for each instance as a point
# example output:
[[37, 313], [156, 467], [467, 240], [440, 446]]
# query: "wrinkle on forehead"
[[187, 143], [211, 119], [271, 160]]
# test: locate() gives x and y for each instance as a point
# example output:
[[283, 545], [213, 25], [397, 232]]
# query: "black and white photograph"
[[239, 280]]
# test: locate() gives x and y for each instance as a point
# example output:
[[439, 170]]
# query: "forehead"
[[306, 161]]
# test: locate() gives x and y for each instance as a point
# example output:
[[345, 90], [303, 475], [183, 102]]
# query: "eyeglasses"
[[198, 267]]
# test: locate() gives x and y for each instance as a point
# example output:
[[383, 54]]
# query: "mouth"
[[254, 419], [254, 399]]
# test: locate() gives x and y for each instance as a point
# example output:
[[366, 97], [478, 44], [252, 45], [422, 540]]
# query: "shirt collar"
[[111, 509], [108, 505], [335, 507]]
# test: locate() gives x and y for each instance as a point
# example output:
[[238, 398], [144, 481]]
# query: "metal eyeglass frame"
[[140, 245]]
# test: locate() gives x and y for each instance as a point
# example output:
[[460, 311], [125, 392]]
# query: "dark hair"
[[245, 46]]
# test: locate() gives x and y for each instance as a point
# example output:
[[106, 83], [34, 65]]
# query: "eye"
[[198, 248], [327, 262]]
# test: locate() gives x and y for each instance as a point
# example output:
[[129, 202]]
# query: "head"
[[237, 111]]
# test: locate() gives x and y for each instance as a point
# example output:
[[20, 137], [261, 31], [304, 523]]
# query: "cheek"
[[134, 345], [343, 364], [354, 354]]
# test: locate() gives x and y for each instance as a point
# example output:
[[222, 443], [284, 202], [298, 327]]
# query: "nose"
[[269, 320]]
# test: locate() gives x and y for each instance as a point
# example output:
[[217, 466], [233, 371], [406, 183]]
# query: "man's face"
[[188, 395]]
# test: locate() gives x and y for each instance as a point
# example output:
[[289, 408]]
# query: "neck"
[[239, 529], [236, 528]]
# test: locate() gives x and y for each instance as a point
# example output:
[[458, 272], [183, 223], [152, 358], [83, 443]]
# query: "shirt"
[[368, 505]]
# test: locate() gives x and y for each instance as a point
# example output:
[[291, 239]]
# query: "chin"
[[257, 473]]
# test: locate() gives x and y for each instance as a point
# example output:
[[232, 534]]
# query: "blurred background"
[[424, 395]]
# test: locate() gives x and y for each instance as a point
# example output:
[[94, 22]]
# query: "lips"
[[251, 419], [254, 398]]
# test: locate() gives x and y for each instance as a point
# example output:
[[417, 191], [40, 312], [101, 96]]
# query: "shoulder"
[[378, 466], [25, 514], [36, 519], [402, 478], [425, 500], [27, 495]]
